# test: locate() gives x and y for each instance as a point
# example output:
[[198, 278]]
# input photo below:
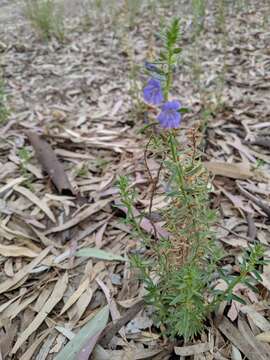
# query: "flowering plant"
[[178, 276]]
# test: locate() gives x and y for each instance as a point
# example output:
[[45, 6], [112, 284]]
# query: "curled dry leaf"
[[259, 320], [113, 328]]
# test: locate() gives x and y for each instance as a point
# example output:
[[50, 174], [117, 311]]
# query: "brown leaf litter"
[[73, 118]]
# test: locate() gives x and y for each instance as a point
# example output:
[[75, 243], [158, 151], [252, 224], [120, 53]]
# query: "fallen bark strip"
[[50, 164]]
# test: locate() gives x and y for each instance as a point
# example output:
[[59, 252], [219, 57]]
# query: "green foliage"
[[128, 197], [82, 171], [124, 15], [4, 113], [96, 10], [198, 11], [178, 277], [46, 17], [249, 274], [221, 16], [134, 91], [167, 60], [25, 156], [133, 9]]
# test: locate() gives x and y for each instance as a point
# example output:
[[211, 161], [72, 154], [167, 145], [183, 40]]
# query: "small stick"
[[154, 183], [254, 199], [113, 327]]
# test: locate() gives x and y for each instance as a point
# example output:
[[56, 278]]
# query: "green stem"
[[179, 169], [169, 77], [229, 290]]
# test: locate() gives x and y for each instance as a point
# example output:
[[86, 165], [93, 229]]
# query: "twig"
[[114, 327], [154, 183], [252, 230], [254, 199], [235, 233], [263, 141]]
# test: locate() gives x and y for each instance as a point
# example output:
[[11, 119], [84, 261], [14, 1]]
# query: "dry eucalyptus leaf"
[[234, 170]]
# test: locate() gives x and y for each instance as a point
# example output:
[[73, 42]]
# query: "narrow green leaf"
[[238, 299], [91, 329], [184, 110], [99, 254], [163, 56], [257, 275], [252, 287], [177, 51], [195, 170]]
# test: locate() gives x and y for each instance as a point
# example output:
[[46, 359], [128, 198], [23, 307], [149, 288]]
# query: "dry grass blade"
[[55, 297]]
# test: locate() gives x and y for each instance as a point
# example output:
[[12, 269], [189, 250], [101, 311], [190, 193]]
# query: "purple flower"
[[152, 93], [170, 117]]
